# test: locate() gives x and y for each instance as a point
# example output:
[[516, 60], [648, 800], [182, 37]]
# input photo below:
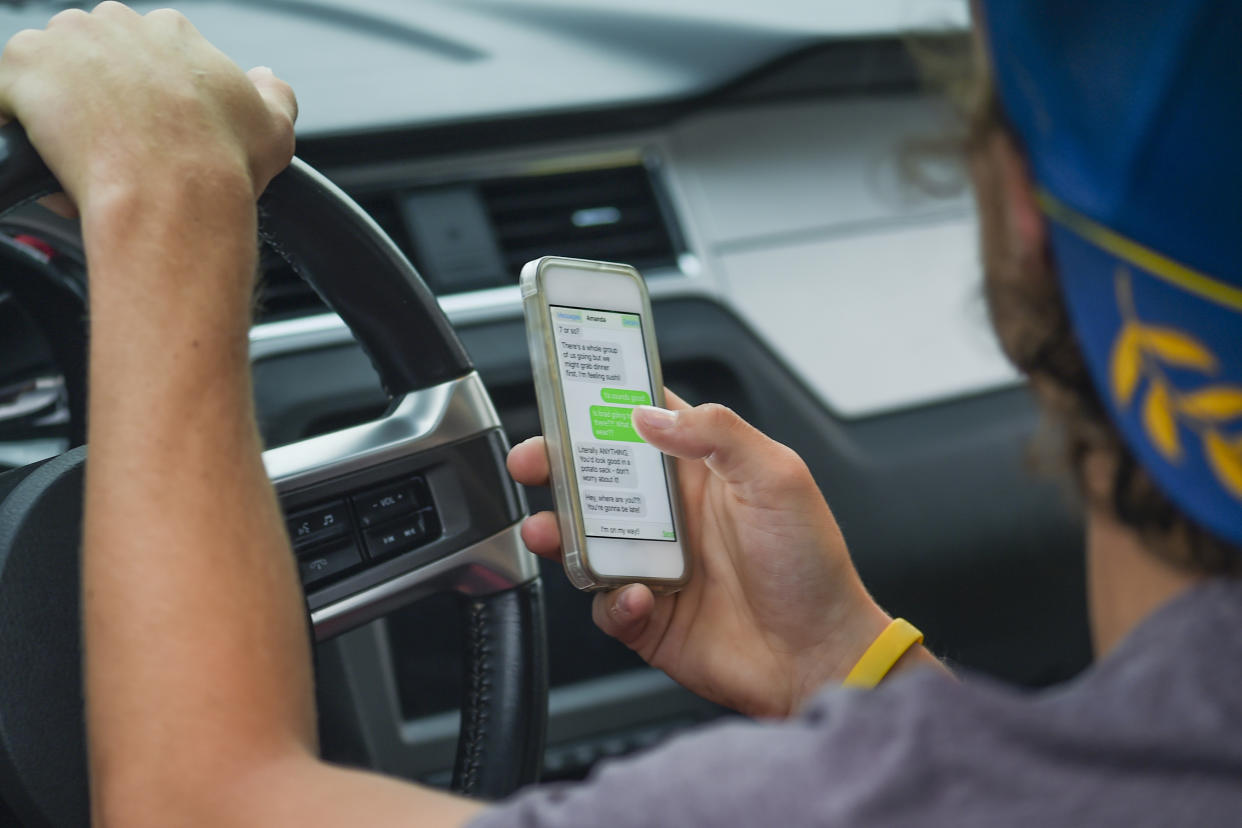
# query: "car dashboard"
[[755, 165]]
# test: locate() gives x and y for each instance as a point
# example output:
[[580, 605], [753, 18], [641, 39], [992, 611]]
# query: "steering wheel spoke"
[[417, 502]]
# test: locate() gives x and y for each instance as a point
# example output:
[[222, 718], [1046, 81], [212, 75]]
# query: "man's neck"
[[1125, 582]]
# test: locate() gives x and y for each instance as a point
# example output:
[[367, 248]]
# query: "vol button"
[[385, 503]]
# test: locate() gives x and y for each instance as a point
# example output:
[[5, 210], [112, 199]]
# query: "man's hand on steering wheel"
[[84, 89]]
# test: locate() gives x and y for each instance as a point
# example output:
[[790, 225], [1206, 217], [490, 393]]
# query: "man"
[[1117, 142]]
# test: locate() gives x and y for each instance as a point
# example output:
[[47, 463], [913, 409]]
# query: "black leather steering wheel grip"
[[501, 693]]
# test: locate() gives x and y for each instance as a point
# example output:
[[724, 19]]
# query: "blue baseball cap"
[[1130, 114]]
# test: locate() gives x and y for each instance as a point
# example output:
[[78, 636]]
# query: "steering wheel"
[[381, 514]]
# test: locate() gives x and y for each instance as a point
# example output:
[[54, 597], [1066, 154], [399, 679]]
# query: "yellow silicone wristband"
[[889, 646]]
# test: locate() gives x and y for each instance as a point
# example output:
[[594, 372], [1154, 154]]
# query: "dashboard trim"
[[326, 330]]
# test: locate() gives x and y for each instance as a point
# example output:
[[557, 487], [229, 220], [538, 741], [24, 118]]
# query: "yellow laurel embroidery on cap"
[[1226, 460], [1160, 421], [1143, 352], [1216, 402], [1125, 367], [1138, 341]]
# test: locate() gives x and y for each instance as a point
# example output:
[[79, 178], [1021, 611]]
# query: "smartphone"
[[593, 349]]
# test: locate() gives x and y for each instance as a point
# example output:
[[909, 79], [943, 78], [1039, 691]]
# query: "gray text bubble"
[[630, 505], [607, 464], [590, 360]]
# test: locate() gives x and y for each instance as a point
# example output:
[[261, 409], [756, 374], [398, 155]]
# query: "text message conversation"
[[604, 374]]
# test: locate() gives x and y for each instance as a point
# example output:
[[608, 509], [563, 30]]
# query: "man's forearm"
[[200, 708], [197, 652]]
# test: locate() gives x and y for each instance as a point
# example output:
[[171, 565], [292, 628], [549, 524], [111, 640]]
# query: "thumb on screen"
[[731, 447]]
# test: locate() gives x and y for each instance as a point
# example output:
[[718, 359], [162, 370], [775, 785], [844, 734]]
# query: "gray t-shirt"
[[1151, 735]]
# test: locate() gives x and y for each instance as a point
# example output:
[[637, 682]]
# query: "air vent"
[[613, 214]]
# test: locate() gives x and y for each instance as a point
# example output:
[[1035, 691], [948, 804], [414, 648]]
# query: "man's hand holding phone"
[[774, 607]]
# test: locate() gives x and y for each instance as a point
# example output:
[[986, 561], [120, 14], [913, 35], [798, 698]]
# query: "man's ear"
[[1028, 228]]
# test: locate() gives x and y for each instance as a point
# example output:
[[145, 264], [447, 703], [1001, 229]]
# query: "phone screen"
[[604, 373]]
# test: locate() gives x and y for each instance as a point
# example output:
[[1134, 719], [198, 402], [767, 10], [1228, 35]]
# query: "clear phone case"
[[548, 394]]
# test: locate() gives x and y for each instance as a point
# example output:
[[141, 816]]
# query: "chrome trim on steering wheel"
[[421, 420], [492, 565]]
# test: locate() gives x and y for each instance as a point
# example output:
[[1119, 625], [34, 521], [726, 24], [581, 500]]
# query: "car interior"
[[760, 165]]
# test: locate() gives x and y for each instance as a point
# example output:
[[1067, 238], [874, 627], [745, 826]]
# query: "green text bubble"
[[622, 395], [610, 422]]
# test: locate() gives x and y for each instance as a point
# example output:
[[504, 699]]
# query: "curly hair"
[[1033, 325]]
